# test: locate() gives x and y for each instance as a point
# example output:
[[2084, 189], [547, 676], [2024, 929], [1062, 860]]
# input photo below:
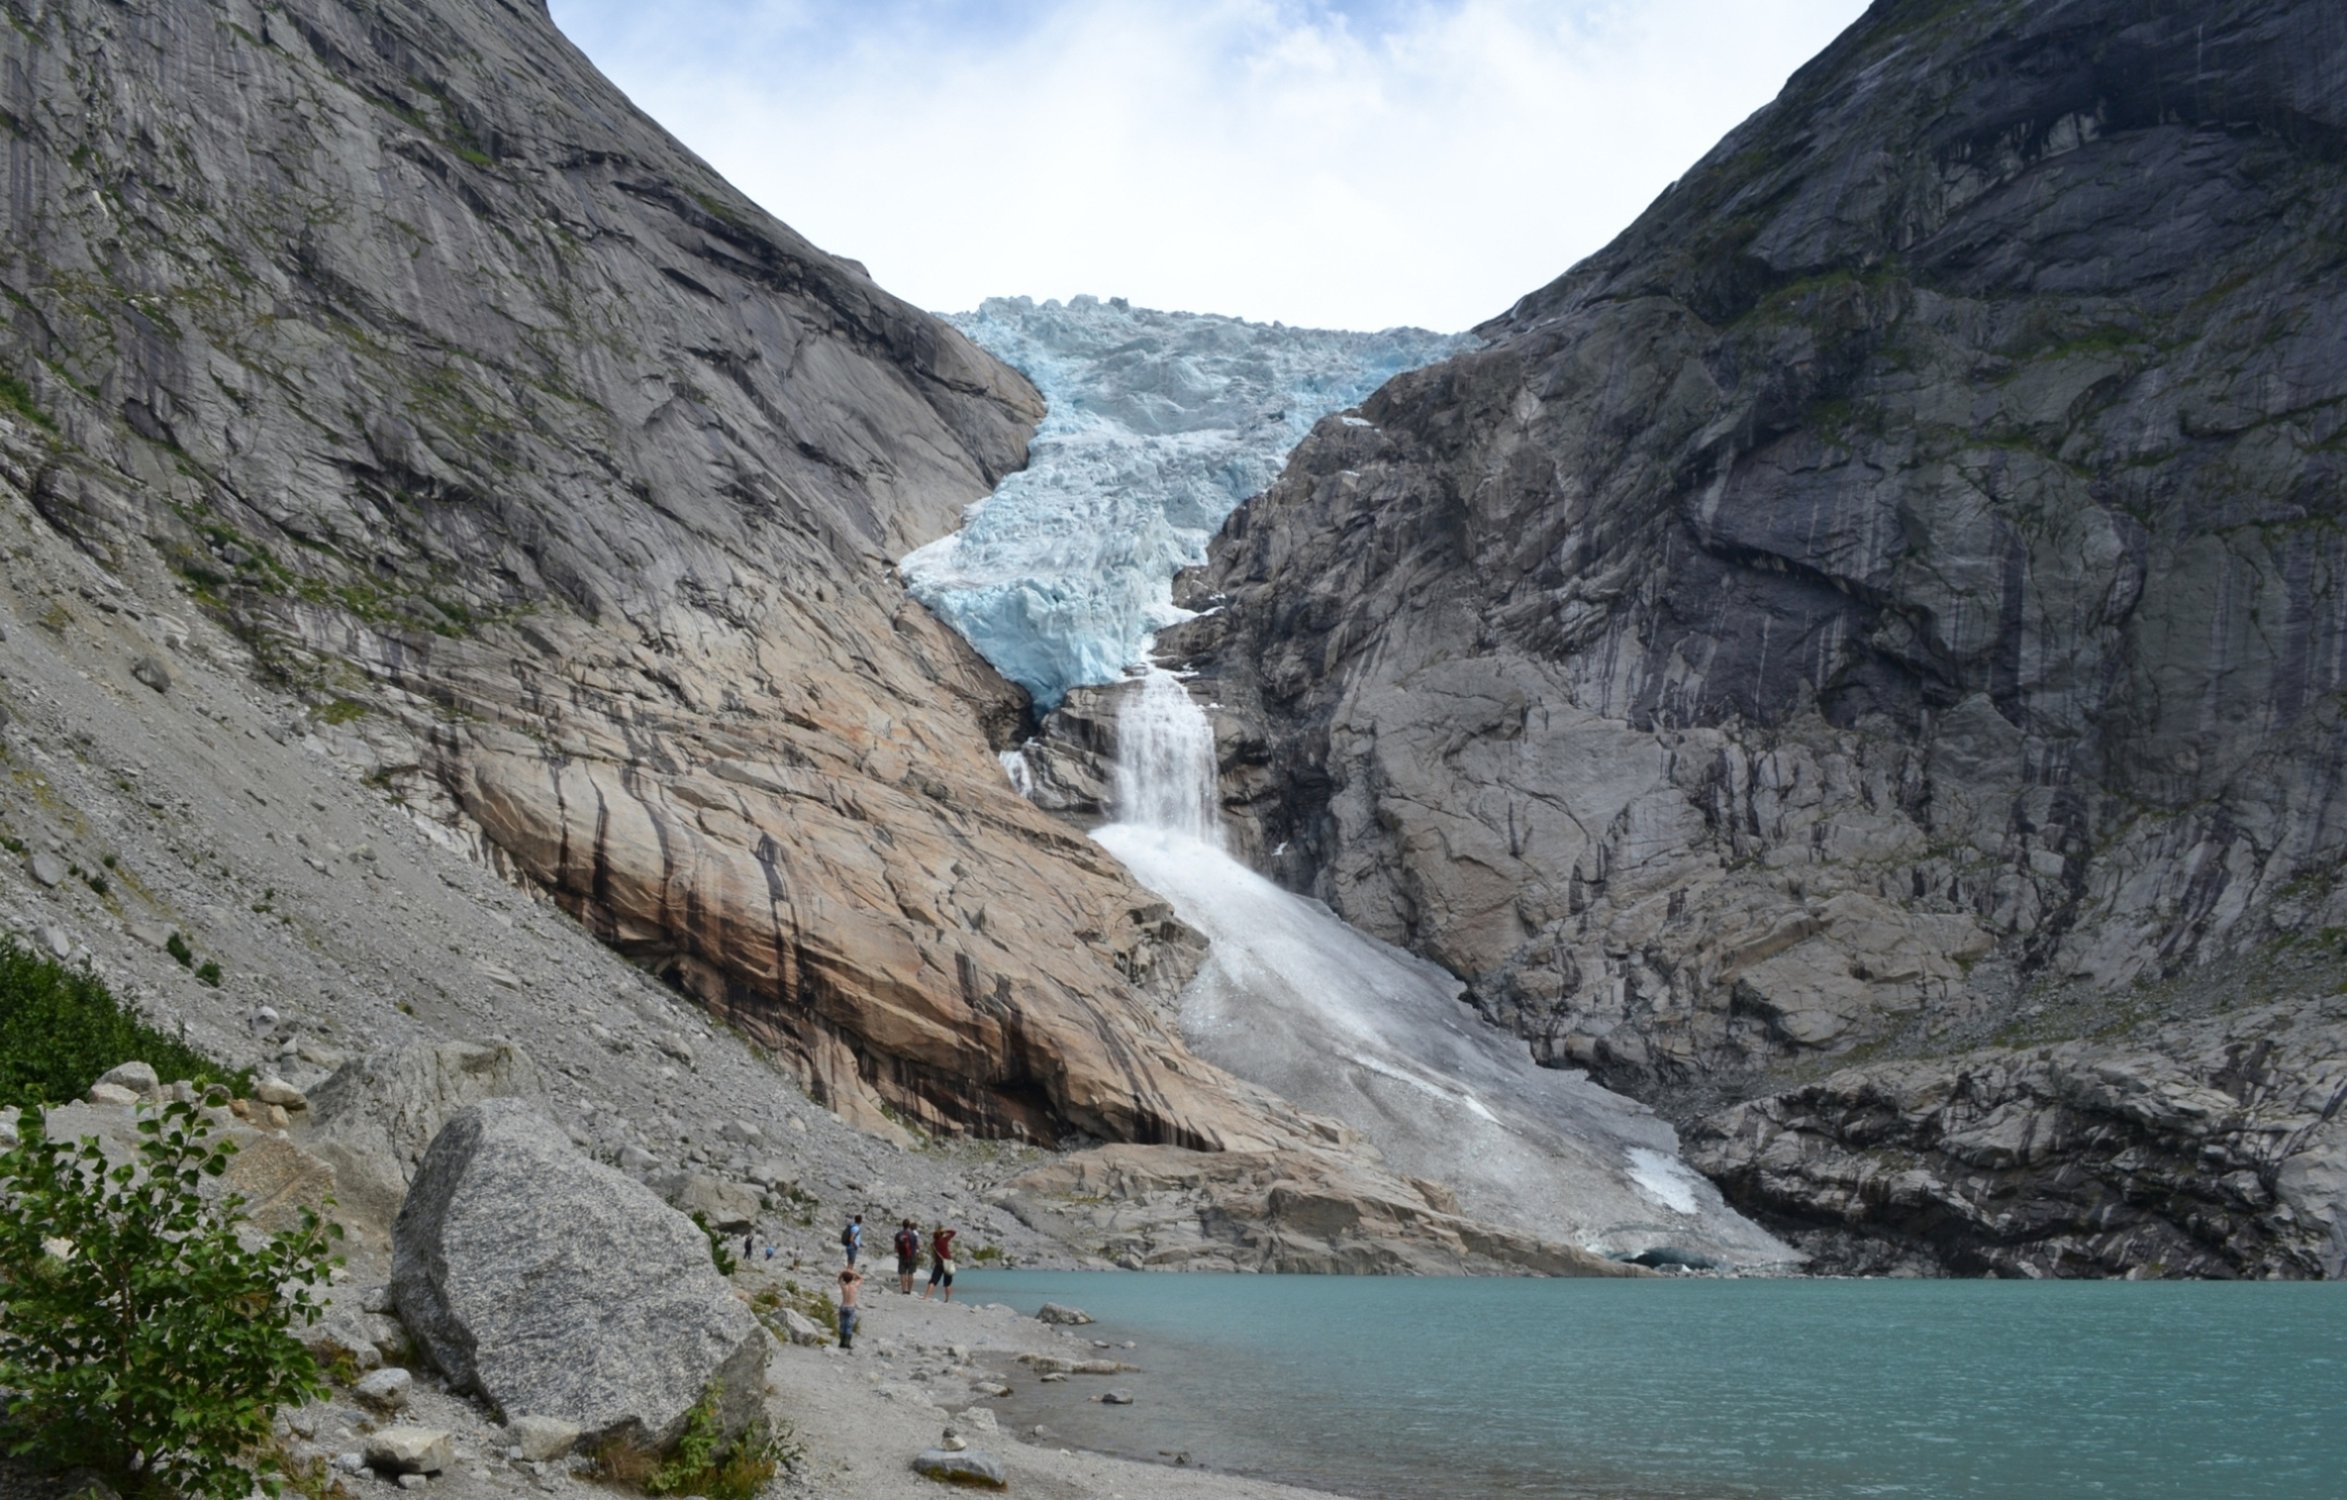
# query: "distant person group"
[[907, 1244]]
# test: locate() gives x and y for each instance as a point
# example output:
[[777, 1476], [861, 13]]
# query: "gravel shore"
[[921, 1367]]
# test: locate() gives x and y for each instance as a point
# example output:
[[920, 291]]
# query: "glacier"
[[1158, 425]]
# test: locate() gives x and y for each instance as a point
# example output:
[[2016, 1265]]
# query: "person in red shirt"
[[940, 1263]]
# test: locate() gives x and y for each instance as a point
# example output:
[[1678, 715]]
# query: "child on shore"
[[851, 1281]]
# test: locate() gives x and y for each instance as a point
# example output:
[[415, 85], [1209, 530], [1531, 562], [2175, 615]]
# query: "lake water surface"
[[1692, 1389]]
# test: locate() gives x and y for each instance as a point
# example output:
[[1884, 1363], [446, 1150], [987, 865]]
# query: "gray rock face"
[[2215, 1148], [556, 1287], [1900, 571], [968, 1467], [385, 1389], [376, 1116], [542, 1439], [1314, 1210], [730, 1207], [484, 413], [410, 1450]]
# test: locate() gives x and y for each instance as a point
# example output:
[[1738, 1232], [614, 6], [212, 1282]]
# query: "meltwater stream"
[[1293, 998]]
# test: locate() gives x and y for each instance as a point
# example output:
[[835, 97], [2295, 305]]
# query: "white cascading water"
[[1165, 763], [1295, 999]]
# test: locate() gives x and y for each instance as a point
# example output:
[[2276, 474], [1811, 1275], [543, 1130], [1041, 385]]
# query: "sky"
[[1328, 163]]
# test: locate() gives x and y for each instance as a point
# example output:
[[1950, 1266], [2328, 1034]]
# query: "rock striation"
[[1900, 573], [1307, 1209], [2213, 1149], [563, 483], [555, 1287]]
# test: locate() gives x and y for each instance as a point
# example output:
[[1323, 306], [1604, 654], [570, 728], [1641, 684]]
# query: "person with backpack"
[[940, 1263], [851, 1239], [908, 1256]]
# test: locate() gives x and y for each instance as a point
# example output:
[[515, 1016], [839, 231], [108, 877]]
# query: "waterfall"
[[1165, 775], [1295, 999]]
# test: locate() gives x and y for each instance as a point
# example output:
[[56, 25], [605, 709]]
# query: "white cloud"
[[1271, 158]]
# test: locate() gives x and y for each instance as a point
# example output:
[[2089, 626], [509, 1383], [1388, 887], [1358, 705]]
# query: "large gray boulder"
[[730, 1207], [374, 1118], [556, 1287]]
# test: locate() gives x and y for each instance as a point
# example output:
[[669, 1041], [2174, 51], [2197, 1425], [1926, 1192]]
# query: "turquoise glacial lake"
[[1688, 1389]]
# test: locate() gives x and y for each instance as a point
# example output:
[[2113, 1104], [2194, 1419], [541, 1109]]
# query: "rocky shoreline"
[[864, 1415], [447, 1377]]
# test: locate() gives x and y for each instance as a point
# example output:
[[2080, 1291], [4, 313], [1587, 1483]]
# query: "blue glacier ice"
[[1160, 423]]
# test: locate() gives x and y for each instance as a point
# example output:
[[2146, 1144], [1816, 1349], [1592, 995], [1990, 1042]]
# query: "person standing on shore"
[[851, 1239], [851, 1281], [908, 1256], [940, 1263]]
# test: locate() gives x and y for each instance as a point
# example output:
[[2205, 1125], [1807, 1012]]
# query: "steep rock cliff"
[[1900, 575], [564, 483]]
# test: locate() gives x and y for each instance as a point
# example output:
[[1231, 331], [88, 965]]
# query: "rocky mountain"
[[562, 485], [1884, 606]]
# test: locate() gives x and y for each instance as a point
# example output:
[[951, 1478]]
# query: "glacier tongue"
[[1159, 425], [1340, 1023]]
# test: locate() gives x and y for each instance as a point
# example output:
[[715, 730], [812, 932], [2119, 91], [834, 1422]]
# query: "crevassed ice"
[[1159, 424]]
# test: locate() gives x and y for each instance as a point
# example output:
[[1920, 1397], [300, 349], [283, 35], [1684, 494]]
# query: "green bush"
[[719, 1256], [142, 1337], [60, 1029], [704, 1463], [177, 947]]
